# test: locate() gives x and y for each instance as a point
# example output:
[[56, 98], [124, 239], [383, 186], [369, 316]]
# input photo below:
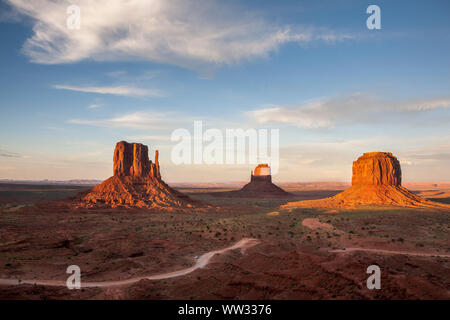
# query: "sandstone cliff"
[[377, 168]]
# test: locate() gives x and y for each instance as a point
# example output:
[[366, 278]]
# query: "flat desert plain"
[[301, 253]]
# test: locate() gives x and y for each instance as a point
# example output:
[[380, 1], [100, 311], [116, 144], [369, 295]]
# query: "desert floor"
[[299, 255]]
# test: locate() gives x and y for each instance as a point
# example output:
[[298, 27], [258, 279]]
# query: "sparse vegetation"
[[104, 242]]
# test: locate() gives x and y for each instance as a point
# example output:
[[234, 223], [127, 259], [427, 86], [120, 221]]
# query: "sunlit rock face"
[[136, 183], [262, 170], [261, 173], [131, 159], [377, 168]]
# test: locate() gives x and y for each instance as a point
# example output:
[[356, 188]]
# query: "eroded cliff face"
[[131, 159], [377, 168]]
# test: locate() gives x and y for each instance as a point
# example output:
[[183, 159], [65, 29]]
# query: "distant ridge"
[[309, 185], [80, 182]]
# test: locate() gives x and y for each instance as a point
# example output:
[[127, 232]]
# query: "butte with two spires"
[[136, 183]]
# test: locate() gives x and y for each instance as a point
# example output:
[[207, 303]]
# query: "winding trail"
[[381, 251], [202, 261]]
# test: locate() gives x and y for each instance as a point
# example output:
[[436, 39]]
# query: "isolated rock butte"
[[260, 185], [376, 180], [136, 183]]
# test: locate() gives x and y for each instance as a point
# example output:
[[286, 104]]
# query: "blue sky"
[[140, 70]]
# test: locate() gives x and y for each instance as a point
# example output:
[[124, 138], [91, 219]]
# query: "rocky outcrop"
[[136, 183], [376, 180]]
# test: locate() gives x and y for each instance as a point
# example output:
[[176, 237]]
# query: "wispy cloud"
[[95, 106], [7, 154], [115, 90], [357, 108], [134, 120], [186, 33], [159, 138], [135, 76], [9, 15], [425, 104]]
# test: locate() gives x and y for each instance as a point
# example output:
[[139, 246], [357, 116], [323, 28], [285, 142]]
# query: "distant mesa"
[[260, 186], [136, 183], [376, 180], [261, 183]]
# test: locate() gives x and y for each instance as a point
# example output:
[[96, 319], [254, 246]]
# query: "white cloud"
[[302, 117], [186, 33], [115, 90], [357, 108], [135, 120], [95, 106], [8, 154], [154, 138], [135, 76], [427, 104]]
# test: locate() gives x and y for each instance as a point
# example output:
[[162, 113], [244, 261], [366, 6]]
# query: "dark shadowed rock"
[[260, 186]]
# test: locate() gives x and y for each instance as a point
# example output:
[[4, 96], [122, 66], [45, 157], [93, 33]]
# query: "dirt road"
[[202, 261]]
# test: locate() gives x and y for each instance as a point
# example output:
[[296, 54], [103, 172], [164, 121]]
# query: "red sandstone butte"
[[136, 183], [376, 180]]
